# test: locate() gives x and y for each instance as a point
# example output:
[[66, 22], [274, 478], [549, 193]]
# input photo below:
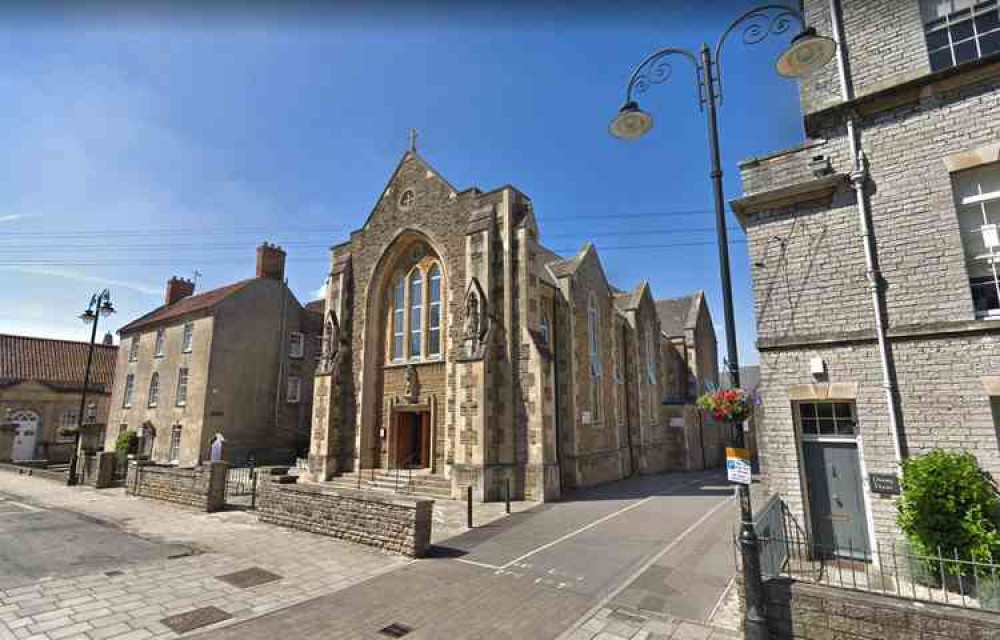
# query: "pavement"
[[553, 571], [636, 556]]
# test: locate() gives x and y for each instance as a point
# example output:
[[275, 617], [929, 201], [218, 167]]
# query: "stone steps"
[[422, 485]]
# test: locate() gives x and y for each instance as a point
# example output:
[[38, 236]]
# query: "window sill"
[[187, 350], [181, 404], [294, 357], [396, 364]]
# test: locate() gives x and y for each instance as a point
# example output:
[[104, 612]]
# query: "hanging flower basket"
[[727, 405]]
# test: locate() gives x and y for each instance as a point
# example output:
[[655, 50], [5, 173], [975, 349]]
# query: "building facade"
[[232, 365], [873, 249], [41, 381], [457, 344]]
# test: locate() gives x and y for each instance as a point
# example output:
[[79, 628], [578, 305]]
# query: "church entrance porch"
[[410, 440]]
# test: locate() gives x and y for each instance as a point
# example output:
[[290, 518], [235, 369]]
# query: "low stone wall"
[[394, 524], [801, 611], [202, 487]]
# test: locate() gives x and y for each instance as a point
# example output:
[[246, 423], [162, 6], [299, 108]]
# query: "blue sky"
[[137, 147]]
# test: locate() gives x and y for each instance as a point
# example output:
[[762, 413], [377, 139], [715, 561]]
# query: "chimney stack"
[[270, 262], [178, 289]]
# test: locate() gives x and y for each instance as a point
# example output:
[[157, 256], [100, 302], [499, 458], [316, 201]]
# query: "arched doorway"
[[25, 435]]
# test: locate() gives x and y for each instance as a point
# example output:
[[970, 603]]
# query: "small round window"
[[406, 200]]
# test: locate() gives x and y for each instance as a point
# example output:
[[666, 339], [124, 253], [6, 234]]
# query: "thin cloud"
[[81, 277], [16, 216]]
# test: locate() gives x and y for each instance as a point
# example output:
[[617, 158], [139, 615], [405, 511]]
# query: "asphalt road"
[[37, 542], [658, 541]]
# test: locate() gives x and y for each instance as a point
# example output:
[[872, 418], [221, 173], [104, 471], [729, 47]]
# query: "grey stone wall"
[[396, 525], [811, 294], [202, 487], [804, 611], [885, 44]]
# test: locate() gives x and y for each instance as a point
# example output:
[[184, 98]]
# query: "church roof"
[[60, 364], [678, 314]]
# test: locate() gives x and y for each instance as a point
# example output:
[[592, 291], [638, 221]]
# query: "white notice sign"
[[738, 465]]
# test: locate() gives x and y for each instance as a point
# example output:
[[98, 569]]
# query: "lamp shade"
[[807, 53], [631, 122], [88, 316], [107, 308]]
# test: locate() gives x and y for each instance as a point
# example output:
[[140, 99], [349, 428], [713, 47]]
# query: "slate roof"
[[625, 300], [317, 306], [676, 313], [59, 364], [184, 306]]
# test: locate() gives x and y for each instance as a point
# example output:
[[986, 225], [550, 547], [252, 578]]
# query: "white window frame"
[[68, 419], [174, 452], [397, 346], [160, 345], [293, 391], [433, 274], [187, 342], [936, 22], [816, 435], [544, 330], [153, 397], [129, 392], [415, 281], [133, 349], [296, 344], [182, 387]]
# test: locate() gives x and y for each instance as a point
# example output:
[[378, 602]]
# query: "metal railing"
[[897, 570], [240, 481]]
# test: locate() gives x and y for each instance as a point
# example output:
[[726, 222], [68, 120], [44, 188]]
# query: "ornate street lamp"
[[100, 306], [806, 53]]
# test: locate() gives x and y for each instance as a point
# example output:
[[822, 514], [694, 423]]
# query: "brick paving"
[[129, 603]]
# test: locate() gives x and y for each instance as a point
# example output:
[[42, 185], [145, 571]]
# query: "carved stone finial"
[[413, 140]]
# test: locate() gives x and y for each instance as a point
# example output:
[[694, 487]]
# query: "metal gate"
[[241, 487]]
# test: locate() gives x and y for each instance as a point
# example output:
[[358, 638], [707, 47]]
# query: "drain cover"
[[113, 573], [395, 630], [249, 577], [195, 619]]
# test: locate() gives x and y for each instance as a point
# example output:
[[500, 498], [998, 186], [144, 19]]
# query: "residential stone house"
[[874, 248], [232, 365], [41, 381], [457, 344]]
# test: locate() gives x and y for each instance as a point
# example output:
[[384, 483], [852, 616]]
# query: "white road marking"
[[478, 564], [721, 600], [638, 572], [597, 522]]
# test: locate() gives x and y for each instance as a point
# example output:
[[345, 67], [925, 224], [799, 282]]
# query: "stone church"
[[459, 348]]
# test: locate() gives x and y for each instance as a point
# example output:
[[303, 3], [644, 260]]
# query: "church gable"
[[413, 186]]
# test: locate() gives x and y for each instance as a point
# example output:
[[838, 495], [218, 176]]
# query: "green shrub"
[[123, 443], [949, 502]]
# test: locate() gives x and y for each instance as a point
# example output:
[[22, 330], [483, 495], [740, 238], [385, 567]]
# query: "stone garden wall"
[[201, 487], [394, 524], [802, 611]]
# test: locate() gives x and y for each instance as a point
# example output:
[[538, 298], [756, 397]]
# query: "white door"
[[25, 434]]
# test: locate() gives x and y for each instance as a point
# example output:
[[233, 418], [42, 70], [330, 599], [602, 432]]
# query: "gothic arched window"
[[416, 320], [398, 328], [434, 311], [416, 312]]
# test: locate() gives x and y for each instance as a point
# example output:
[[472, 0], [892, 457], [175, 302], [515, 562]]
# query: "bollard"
[[468, 499], [508, 496]]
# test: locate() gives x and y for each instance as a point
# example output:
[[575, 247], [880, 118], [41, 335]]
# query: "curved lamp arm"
[[656, 69], [763, 21]]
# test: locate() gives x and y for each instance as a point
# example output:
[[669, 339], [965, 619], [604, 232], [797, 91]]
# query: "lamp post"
[[100, 305], [806, 53]]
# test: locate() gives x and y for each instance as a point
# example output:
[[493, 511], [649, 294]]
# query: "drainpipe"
[[859, 176]]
